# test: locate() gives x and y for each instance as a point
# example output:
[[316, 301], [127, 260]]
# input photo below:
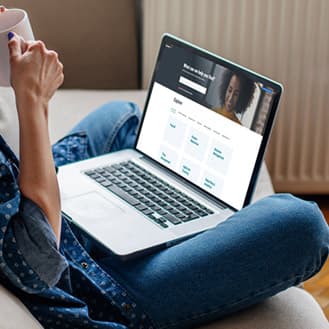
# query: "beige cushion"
[[292, 309], [13, 314]]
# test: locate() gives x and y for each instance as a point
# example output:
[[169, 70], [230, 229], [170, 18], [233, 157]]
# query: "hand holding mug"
[[33, 65], [11, 20]]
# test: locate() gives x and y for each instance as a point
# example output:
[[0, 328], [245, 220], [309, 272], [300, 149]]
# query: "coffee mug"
[[11, 20]]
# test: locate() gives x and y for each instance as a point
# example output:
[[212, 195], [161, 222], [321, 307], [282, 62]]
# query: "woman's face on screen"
[[232, 93]]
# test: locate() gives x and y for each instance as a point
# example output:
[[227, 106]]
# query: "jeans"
[[273, 244]]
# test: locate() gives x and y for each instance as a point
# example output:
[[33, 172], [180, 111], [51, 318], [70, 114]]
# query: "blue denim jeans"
[[261, 250]]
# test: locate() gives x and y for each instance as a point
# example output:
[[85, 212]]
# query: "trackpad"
[[92, 211]]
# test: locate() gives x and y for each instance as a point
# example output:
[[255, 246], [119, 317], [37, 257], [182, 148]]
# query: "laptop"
[[198, 152]]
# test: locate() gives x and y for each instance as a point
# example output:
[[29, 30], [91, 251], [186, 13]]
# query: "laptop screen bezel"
[[277, 87]]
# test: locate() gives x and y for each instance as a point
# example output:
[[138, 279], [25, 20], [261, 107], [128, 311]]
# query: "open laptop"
[[194, 163]]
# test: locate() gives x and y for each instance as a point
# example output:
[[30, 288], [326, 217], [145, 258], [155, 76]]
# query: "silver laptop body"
[[184, 141]]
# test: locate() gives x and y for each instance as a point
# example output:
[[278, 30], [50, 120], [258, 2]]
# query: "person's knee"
[[305, 216], [119, 108], [108, 115], [305, 225]]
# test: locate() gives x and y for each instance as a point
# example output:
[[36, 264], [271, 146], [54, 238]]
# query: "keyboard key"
[[139, 196], [156, 199], [100, 171], [154, 215], [181, 216], [141, 207], [201, 213], [147, 211], [110, 169], [155, 207], [124, 195], [194, 208], [190, 217], [162, 212], [106, 184], [89, 173], [100, 179], [172, 219]]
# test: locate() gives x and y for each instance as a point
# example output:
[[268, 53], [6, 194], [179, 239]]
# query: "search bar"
[[193, 85]]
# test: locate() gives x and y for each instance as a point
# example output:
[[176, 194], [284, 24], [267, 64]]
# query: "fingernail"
[[10, 35]]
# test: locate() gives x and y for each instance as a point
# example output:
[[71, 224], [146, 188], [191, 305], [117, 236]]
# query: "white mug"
[[11, 20]]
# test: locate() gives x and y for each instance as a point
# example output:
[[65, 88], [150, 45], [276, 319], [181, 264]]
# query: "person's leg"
[[278, 242], [110, 128]]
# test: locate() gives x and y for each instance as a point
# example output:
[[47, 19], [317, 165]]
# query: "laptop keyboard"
[[161, 202]]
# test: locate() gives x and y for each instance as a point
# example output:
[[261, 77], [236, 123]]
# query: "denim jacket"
[[62, 288]]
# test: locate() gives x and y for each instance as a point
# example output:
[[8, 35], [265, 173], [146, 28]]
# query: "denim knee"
[[115, 113], [306, 229], [125, 119], [108, 115], [119, 107], [110, 128]]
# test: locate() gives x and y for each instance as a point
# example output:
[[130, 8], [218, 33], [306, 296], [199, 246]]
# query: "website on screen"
[[202, 123]]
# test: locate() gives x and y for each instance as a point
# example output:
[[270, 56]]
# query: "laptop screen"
[[208, 120]]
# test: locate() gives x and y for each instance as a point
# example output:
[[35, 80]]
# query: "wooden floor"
[[318, 286]]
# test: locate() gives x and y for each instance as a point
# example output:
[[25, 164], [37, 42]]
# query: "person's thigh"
[[263, 249]]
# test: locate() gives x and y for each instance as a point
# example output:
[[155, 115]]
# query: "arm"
[[36, 73]]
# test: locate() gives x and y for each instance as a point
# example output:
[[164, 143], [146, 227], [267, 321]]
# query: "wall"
[[97, 42], [286, 40]]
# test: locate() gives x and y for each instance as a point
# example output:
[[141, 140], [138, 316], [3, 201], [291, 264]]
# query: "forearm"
[[36, 73], [37, 179]]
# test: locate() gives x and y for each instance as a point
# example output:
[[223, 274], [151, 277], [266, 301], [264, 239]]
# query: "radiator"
[[286, 40]]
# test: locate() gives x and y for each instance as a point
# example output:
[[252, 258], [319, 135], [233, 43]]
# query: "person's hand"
[[36, 72]]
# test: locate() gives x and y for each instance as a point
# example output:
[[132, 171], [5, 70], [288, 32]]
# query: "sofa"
[[101, 56], [293, 308]]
